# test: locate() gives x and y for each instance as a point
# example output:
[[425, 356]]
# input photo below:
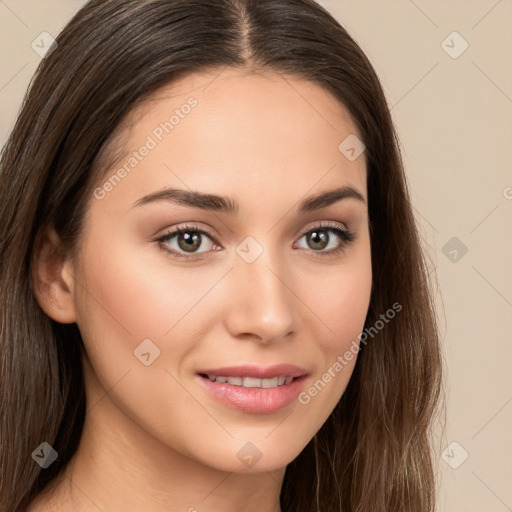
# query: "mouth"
[[254, 390]]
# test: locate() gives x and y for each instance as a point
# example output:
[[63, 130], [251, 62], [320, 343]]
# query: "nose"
[[262, 303]]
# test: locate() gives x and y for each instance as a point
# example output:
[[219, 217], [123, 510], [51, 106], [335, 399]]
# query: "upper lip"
[[259, 372]]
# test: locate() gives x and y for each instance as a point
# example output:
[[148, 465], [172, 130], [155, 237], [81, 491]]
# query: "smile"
[[253, 389]]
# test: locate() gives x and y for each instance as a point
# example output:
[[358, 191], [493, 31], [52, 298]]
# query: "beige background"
[[453, 117]]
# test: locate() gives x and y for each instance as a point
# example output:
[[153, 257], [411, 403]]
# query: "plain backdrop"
[[446, 70]]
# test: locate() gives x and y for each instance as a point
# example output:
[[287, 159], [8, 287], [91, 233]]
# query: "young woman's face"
[[269, 282]]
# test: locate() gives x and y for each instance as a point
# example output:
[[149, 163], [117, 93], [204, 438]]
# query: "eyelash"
[[346, 236]]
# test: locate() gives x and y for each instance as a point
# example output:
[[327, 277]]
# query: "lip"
[[255, 400]]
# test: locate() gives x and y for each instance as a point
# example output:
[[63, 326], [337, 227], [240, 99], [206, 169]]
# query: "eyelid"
[[326, 224]]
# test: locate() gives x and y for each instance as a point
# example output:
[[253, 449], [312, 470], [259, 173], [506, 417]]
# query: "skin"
[[153, 439]]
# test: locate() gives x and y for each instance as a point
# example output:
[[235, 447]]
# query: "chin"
[[256, 454]]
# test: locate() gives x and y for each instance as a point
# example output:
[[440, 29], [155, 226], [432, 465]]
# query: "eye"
[[189, 239], [319, 239]]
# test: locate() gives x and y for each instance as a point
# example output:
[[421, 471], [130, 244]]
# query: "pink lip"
[[255, 400], [259, 372]]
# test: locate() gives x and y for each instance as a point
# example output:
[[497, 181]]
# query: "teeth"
[[252, 382], [269, 383]]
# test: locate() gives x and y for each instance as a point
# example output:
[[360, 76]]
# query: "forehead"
[[273, 101], [237, 83], [221, 130]]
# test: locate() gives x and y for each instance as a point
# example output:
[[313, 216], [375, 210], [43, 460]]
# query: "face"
[[178, 287]]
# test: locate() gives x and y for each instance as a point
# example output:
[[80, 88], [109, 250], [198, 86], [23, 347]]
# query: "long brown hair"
[[374, 451]]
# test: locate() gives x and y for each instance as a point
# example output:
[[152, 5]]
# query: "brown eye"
[[319, 238], [186, 240]]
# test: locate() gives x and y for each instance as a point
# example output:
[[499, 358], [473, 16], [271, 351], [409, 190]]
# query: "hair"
[[375, 449]]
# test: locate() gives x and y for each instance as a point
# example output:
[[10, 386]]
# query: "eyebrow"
[[227, 205]]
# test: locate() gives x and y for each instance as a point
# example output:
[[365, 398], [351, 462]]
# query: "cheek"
[[126, 299], [345, 301], [126, 294], [341, 299], [120, 304], [131, 294]]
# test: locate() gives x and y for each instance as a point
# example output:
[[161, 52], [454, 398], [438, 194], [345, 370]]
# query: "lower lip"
[[254, 400]]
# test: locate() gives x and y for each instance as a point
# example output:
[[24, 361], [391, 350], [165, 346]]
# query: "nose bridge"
[[263, 304]]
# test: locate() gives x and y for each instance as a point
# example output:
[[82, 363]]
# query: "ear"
[[53, 278]]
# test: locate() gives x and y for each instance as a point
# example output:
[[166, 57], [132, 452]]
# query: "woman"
[[213, 291]]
